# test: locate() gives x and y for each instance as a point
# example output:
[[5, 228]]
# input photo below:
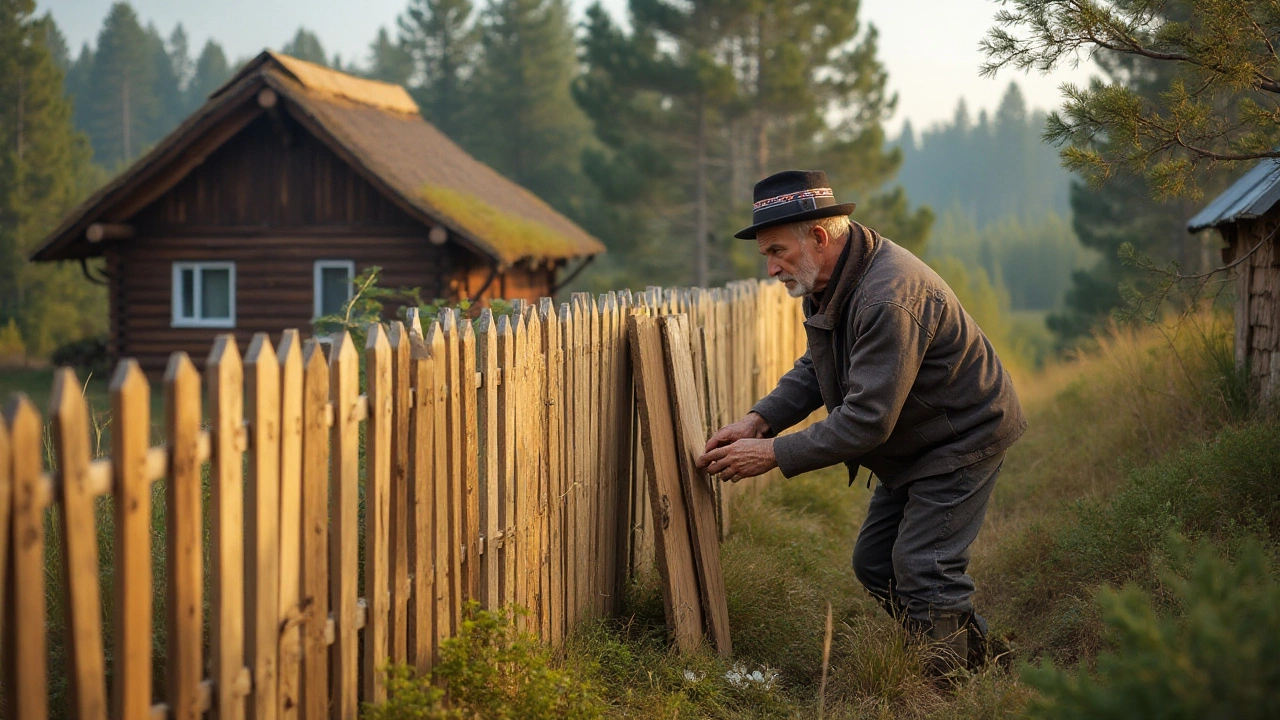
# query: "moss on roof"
[[521, 237]]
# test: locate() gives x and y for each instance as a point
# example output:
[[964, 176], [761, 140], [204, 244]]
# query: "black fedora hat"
[[792, 196]]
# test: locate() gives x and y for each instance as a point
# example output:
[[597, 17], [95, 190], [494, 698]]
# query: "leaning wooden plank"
[[226, 518], [401, 509], [130, 441], [344, 479], [421, 638], [262, 512], [520, 484], [532, 421], [184, 543], [471, 530], [554, 409], [568, 496], [699, 493], [314, 568], [671, 537], [85, 669], [377, 512], [28, 656], [487, 348]]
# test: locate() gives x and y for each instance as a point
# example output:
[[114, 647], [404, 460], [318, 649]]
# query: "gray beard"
[[805, 278]]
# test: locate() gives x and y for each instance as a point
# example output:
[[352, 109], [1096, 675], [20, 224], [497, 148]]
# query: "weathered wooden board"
[[262, 512], [26, 645], [377, 513], [344, 479], [401, 511], [85, 668], [699, 493], [226, 517], [314, 566], [290, 636], [674, 551]]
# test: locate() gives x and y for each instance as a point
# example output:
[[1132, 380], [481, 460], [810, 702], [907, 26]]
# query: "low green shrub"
[[87, 355], [488, 670], [1213, 658]]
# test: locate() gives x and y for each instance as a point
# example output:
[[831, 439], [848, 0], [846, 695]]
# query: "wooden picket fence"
[[310, 533]]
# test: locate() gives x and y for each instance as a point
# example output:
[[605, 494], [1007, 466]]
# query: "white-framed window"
[[204, 294], [332, 286]]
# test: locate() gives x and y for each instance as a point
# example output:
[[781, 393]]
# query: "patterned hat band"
[[812, 194]]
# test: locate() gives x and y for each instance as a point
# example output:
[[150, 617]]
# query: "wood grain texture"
[[7, 644], [506, 476], [487, 348], [184, 540], [422, 499], [401, 514], [456, 477], [85, 670], [553, 425], [289, 694], [344, 479], [262, 514], [314, 567], [26, 644], [226, 518], [445, 550], [698, 492], [470, 458], [673, 544], [377, 513], [130, 441]]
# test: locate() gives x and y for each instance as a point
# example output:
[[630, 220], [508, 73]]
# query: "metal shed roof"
[[1252, 195]]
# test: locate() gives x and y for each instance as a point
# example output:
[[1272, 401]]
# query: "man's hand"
[[751, 426], [743, 458]]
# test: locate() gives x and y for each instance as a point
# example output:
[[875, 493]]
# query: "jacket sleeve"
[[796, 396], [883, 364]]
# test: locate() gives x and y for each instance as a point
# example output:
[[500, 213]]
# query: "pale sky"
[[930, 47]]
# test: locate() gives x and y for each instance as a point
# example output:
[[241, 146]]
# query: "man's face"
[[791, 259]]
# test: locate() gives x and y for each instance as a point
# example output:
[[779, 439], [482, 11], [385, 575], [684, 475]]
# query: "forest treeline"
[[648, 134]]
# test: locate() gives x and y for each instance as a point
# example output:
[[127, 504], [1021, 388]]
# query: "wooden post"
[[422, 431], [7, 644], [446, 572], [377, 511], [520, 466], [402, 515], [130, 441], [506, 437], [262, 569], [471, 529], [289, 695], [26, 645], [568, 495], [226, 515], [487, 342], [344, 478], [553, 358], [184, 544], [85, 669], [533, 419], [314, 566], [456, 478]]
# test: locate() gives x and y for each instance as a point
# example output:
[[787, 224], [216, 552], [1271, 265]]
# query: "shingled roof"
[[376, 128]]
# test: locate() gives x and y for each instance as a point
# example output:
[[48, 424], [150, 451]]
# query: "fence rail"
[[305, 532]]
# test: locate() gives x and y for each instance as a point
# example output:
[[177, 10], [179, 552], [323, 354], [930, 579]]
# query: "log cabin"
[[258, 210], [1247, 215]]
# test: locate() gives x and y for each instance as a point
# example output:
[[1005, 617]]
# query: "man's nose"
[[774, 269]]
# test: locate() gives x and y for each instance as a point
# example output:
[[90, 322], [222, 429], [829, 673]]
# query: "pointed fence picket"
[[500, 463]]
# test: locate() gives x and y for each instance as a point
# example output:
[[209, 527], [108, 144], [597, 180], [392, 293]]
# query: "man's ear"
[[820, 238]]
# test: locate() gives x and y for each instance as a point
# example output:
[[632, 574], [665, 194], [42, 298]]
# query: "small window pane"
[[215, 294], [335, 290], [188, 280]]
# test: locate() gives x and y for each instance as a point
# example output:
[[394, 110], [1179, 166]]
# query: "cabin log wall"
[[1258, 303]]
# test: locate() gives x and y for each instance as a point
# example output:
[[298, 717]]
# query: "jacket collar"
[[858, 253]]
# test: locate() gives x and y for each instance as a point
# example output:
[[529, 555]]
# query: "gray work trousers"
[[912, 553]]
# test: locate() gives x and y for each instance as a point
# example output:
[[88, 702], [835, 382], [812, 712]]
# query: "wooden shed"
[[254, 214], [1248, 215]]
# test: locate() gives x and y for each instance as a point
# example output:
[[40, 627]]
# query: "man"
[[913, 390]]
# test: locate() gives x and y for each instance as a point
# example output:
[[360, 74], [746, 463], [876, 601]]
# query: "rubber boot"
[[949, 638]]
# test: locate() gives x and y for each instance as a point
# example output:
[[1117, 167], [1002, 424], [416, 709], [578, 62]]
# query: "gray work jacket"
[[912, 386]]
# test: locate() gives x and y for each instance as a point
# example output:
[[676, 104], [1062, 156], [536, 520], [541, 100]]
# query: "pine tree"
[[440, 38], [211, 71], [524, 122], [389, 60], [306, 45], [120, 101], [167, 89], [42, 173]]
